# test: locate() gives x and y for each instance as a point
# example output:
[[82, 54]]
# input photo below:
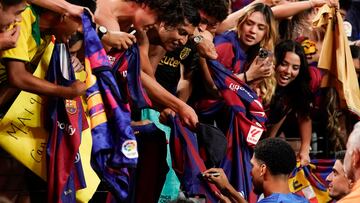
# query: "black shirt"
[[168, 71]]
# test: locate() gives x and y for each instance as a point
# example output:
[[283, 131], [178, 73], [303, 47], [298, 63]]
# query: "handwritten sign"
[[23, 134]]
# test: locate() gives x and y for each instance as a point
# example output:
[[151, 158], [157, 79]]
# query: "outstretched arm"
[[293, 8], [231, 20], [115, 37], [20, 78], [159, 94], [184, 87], [305, 133], [218, 177], [163, 97], [280, 11], [60, 6]]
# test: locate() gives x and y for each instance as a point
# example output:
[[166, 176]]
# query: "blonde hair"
[[270, 37], [267, 88]]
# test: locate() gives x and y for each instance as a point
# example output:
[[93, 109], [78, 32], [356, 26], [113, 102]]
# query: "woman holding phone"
[[238, 50]]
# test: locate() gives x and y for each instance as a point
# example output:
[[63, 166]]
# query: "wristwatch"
[[198, 39], [101, 31]]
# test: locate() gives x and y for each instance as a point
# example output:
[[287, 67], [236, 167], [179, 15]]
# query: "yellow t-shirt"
[[29, 46]]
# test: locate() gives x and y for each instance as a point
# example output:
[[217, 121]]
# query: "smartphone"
[[263, 53], [132, 32]]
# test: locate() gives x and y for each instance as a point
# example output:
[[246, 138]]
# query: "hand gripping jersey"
[[245, 114], [66, 120], [247, 119], [187, 162], [244, 111], [310, 181]]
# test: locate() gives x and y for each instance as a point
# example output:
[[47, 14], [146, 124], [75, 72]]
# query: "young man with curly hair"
[[272, 162]]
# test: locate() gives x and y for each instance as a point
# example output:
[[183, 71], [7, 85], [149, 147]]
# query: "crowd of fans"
[[269, 46]]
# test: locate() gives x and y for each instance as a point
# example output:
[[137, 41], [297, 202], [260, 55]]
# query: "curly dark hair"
[[340, 155], [298, 91], [190, 12], [7, 3], [215, 8], [173, 12], [277, 155]]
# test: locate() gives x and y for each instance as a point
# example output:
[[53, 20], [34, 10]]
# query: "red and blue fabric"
[[312, 182], [239, 4], [187, 162], [316, 75], [243, 109], [229, 51], [317, 172], [247, 119], [245, 112], [233, 58], [126, 68], [114, 151], [66, 120]]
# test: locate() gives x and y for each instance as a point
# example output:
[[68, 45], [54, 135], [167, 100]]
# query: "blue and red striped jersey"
[[114, 151], [66, 121]]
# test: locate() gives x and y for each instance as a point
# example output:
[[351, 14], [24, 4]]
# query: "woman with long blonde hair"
[[239, 52], [238, 49]]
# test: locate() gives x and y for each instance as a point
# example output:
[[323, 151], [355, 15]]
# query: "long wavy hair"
[[298, 91], [334, 127], [267, 89], [268, 84]]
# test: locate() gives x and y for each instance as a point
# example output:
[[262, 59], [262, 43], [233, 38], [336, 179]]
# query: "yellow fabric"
[[353, 196], [299, 184], [335, 57], [91, 178], [95, 98], [26, 48], [309, 46], [22, 134]]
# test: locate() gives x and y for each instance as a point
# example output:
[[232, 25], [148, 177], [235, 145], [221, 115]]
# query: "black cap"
[[212, 141]]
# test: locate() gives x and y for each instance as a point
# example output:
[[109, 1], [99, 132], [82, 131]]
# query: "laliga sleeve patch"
[[129, 149], [347, 28], [254, 135]]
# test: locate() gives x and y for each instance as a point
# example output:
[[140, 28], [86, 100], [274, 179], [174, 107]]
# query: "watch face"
[[102, 29], [197, 39]]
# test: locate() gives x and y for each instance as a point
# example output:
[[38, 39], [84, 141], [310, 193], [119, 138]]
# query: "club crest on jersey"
[[184, 53], [129, 149], [71, 106]]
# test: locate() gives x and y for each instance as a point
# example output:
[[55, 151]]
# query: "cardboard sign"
[[22, 134]]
